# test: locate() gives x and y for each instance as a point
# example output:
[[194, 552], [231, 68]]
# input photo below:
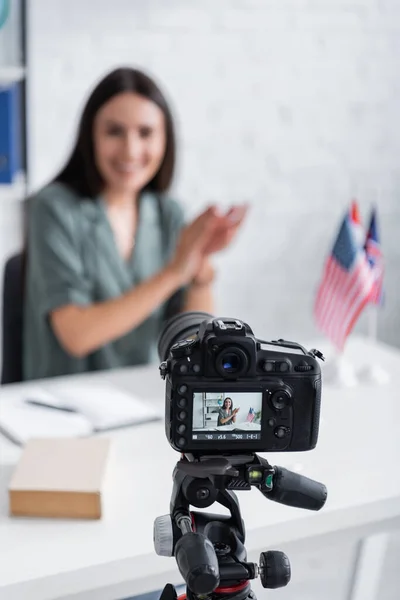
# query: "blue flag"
[[374, 254]]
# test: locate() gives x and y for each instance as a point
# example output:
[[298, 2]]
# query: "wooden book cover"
[[60, 477]]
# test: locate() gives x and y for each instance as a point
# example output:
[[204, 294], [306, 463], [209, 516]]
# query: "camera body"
[[227, 394]]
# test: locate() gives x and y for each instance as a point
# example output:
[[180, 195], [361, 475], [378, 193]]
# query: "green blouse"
[[73, 258]]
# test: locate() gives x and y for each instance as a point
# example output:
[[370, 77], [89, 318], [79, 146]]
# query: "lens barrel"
[[179, 327]]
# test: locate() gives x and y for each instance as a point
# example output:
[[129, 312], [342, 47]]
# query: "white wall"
[[198, 410], [292, 105]]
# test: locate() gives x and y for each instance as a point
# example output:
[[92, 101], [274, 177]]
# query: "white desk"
[[356, 457]]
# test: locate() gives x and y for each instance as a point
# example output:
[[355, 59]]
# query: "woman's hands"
[[192, 242], [210, 232], [226, 228], [234, 413]]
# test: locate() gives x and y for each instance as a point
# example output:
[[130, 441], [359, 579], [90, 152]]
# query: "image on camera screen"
[[227, 416]]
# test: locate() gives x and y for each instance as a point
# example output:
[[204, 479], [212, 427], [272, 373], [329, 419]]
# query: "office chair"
[[12, 319]]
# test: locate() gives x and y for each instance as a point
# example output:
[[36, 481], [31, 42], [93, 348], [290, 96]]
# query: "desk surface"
[[356, 457]]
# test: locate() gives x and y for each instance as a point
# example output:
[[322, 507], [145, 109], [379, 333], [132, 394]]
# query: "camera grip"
[[197, 562], [296, 490]]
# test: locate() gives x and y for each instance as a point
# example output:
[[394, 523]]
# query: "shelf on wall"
[[11, 74]]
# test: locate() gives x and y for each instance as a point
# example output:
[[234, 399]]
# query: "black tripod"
[[208, 548]]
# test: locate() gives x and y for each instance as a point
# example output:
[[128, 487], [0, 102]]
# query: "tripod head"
[[209, 549]]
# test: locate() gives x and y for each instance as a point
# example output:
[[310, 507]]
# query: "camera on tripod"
[[228, 397], [224, 392]]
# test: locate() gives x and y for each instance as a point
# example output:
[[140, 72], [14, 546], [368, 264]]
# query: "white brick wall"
[[290, 104]]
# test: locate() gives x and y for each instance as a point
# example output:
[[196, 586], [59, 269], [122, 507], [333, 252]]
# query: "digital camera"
[[225, 393]]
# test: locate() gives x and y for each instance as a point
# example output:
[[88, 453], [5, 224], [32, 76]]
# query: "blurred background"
[[291, 105]]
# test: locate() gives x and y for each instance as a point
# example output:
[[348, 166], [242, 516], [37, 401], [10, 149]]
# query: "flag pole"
[[373, 308], [374, 373], [373, 322]]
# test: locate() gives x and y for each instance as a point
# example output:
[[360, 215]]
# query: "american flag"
[[250, 415], [346, 285], [375, 258]]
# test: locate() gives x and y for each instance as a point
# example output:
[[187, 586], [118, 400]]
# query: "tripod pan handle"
[[296, 490]]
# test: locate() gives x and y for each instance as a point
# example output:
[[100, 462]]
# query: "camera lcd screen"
[[227, 416]]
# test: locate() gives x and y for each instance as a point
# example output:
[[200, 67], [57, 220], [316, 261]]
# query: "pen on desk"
[[53, 406]]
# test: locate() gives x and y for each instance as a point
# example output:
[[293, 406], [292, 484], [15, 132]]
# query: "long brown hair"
[[223, 406], [80, 172]]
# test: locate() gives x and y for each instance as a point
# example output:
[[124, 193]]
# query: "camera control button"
[[284, 367], [182, 389], [182, 402], [280, 399], [271, 422], [181, 428], [182, 415], [269, 366], [196, 368], [181, 442], [183, 368], [164, 369], [281, 432]]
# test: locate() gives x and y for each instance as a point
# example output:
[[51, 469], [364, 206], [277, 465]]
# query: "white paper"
[[106, 406], [20, 421], [98, 408]]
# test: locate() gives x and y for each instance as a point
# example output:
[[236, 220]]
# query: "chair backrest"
[[12, 320]]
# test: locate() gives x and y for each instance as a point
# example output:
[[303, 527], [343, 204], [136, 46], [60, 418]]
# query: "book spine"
[[10, 132]]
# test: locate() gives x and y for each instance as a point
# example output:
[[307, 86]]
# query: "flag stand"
[[339, 372], [372, 314]]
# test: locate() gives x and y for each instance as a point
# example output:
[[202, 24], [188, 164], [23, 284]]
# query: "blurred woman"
[[109, 256]]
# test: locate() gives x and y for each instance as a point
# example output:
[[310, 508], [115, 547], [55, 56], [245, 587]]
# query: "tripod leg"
[[169, 593]]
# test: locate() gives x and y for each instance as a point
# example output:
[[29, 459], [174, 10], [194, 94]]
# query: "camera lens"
[[179, 327], [231, 362]]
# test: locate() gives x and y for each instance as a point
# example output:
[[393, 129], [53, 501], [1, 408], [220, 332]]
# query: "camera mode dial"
[[182, 348]]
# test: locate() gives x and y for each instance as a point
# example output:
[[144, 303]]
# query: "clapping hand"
[[225, 228], [210, 232]]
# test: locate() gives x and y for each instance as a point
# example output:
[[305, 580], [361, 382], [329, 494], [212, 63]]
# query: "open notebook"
[[96, 408]]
